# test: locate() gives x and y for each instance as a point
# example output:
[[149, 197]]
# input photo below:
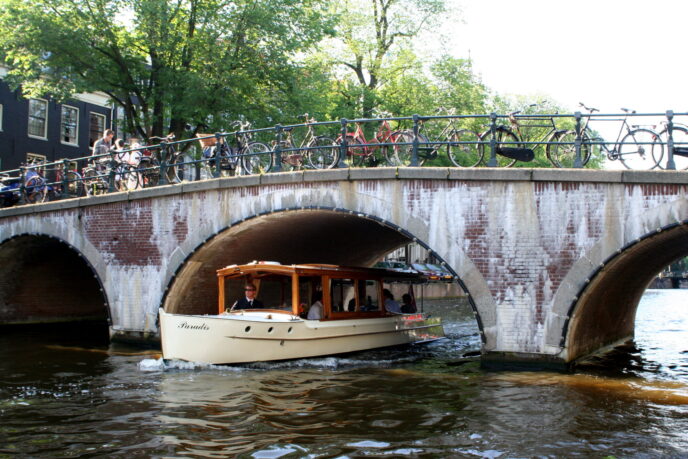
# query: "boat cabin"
[[347, 293]]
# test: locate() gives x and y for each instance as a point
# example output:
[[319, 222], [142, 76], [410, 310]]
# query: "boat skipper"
[[249, 301]]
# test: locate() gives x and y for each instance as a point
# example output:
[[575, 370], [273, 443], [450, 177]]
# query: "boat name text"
[[188, 326]]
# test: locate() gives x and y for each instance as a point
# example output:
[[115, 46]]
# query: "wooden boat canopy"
[[347, 292]]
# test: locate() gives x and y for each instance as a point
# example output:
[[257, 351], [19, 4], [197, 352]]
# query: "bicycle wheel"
[[640, 149], [561, 151], [257, 158], [150, 172], [126, 178], [35, 190], [680, 136], [93, 183], [401, 153], [75, 185], [355, 156], [181, 168], [322, 153], [464, 154], [502, 135]]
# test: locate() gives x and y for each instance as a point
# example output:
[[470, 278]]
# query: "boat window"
[[273, 291], [349, 295], [307, 288]]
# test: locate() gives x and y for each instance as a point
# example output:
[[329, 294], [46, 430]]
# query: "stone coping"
[[356, 174]]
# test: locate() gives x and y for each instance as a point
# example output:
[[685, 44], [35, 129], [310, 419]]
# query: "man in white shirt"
[[315, 311]]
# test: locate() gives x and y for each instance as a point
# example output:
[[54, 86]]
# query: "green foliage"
[[167, 63]]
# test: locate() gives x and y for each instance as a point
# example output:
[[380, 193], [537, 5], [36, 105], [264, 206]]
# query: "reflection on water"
[[61, 398]]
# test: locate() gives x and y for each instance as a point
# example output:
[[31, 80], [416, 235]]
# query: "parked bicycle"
[[510, 144], [637, 147], [318, 152], [679, 133], [97, 176], [36, 188], [460, 145], [68, 183], [361, 152]]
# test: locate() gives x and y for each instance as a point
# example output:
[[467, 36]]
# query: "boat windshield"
[[272, 291]]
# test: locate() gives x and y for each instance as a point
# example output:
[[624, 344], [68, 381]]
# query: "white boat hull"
[[255, 336]]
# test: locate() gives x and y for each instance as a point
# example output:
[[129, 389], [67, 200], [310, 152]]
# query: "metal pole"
[[578, 161], [343, 145], [493, 141], [671, 164], [217, 171], [163, 163], [22, 186], [278, 148], [111, 178], [65, 184], [414, 153]]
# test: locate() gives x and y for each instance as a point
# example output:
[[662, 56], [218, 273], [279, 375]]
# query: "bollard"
[[671, 164], [493, 140]]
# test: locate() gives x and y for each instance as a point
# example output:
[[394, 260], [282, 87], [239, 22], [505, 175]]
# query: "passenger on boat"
[[407, 306], [391, 305], [315, 311], [249, 301]]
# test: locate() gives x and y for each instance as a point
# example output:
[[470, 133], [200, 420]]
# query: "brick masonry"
[[524, 247]]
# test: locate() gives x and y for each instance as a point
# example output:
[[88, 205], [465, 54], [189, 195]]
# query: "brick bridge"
[[554, 261]]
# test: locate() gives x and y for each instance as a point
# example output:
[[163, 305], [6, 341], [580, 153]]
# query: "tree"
[[373, 45], [166, 62]]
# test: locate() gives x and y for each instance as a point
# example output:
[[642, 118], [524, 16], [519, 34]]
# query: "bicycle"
[[71, 180], [96, 177], [461, 144], [211, 152], [360, 151], [679, 133], [36, 188], [639, 148], [511, 136], [319, 151]]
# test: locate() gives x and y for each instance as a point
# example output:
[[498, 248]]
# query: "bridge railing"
[[643, 141]]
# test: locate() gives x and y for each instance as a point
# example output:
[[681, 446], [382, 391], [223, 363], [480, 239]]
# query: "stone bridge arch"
[[308, 234], [596, 303], [48, 280]]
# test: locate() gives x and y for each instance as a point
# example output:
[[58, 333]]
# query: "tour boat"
[[353, 316]]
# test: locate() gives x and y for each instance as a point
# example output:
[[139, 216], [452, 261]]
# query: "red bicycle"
[[361, 152]]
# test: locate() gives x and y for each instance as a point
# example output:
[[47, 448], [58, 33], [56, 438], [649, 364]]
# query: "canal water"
[[64, 395]]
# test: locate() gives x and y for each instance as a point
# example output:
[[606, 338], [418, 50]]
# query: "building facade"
[[43, 129]]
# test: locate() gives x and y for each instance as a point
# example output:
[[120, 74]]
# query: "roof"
[[316, 269]]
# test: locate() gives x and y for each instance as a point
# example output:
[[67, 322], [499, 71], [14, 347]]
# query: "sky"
[[606, 53]]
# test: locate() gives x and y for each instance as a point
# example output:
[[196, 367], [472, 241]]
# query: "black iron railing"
[[491, 140]]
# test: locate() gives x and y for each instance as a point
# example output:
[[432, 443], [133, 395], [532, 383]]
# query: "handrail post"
[[343, 145], [163, 163], [22, 186], [111, 175], [278, 148], [414, 151], [493, 140], [217, 171], [578, 161], [671, 164], [65, 184]]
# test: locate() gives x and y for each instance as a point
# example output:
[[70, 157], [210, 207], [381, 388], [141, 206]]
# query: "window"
[[38, 118], [96, 127], [69, 125]]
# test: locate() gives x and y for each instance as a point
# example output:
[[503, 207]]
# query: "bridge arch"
[[300, 235], [48, 280], [602, 312]]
